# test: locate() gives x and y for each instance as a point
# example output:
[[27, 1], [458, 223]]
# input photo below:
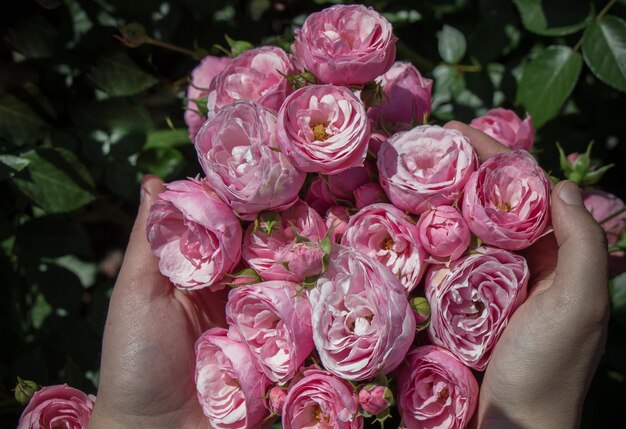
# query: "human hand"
[[148, 359], [541, 368]]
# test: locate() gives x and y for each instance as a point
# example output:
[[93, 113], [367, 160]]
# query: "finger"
[[484, 145], [582, 268], [140, 267]]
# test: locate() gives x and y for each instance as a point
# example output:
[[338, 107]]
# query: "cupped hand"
[[540, 370], [147, 370]]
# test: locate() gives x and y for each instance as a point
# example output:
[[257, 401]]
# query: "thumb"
[[140, 268], [581, 270]]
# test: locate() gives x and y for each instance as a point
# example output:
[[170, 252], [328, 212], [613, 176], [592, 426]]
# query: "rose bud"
[[337, 218], [276, 400], [507, 201], [230, 390], [274, 321], [238, 154], [362, 322], [421, 310], [374, 398], [255, 75], [319, 197], [368, 194], [506, 127], [444, 233], [581, 168], [377, 138], [201, 78], [435, 390], [285, 246], [425, 167], [407, 98], [24, 390], [388, 235], [323, 129], [601, 205], [320, 399], [344, 184], [472, 300], [358, 45], [195, 235], [59, 406]]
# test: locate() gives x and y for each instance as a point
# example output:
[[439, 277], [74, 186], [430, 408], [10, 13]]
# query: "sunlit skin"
[[538, 375]]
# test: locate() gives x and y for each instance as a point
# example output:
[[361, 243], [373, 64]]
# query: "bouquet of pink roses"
[[371, 255]]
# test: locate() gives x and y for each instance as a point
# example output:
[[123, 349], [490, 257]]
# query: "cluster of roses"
[[375, 265]]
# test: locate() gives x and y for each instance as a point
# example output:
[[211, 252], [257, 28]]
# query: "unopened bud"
[[579, 167], [25, 390], [133, 34], [421, 310], [276, 401], [375, 398]]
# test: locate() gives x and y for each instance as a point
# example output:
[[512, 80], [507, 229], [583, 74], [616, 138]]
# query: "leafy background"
[[83, 116]]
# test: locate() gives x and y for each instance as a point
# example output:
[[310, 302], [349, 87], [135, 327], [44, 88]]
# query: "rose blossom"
[[274, 321], [195, 235], [345, 45], [506, 127], [343, 185], [230, 389], [407, 98], [368, 194], [435, 390], [425, 167], [385, 233], [320, 399], [362, 322], [444, 233], [374, 398], [277, 247], [237, 153], [506, 202], [472, 300], [324, 129], [201, 78], [59, 406], [337, 218], [319, 197], [601, 205], [253, 75]]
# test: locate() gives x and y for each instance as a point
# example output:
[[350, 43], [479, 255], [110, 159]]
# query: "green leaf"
[[11, 164], [33, 37], [166, 139], [555, 17], [452, 44], [237, 46], [18, 123], [162, 162], [117, 75], [604, 50], [617, 292], [55, 180], [547, 81]]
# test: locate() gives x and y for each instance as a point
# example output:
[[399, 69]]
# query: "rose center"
[[320, 416], [388, 243], [503, 206], [319, 132], [479, 306], [443, 394]]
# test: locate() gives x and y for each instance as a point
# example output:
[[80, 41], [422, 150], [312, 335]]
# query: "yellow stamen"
[[319, 132], [388, 243], [505, 207], [443, 394]]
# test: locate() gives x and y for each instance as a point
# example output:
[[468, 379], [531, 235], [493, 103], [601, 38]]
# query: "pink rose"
[[435, 390], [195, 235], [374, 398], [345, 45], [238, 155], [601, 205], [377, 138], [285, 246], [337, 218], [506, 127], [230, 389], [322, 400], [444, 233], [276, 400], [368, 194], [472, 300], [388, 235], [254, 75], [201, 78], [343, 185], [274, 320], [425, 167], [324, 129], [407, 98], [362, 322], [507, 201], [59, 406], [319, 196]]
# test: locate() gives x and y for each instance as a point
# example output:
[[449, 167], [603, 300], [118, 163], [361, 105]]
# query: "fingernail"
[[569, 192]]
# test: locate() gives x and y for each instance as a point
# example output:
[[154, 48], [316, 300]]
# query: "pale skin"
[[538, 375]]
